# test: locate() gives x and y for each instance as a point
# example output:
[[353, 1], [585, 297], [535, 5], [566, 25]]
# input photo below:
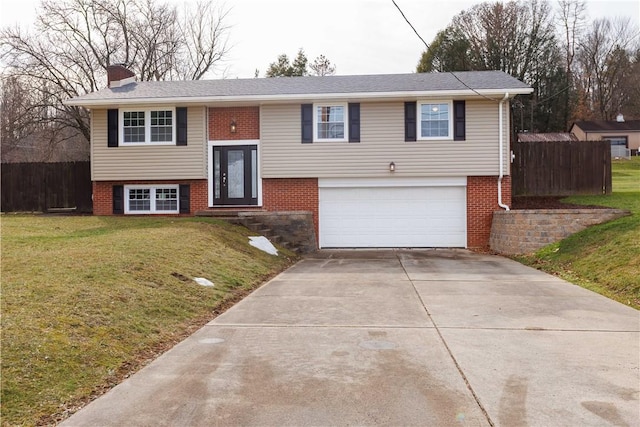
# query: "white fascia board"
[[495, 94]]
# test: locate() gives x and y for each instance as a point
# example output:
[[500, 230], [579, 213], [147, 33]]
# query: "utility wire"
[[412, 27], [553, 96], [427, 45], [475, 91]]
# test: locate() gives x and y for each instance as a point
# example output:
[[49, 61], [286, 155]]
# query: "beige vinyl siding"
[[382, 142], [579, 133], [633, 138], [149, 162]]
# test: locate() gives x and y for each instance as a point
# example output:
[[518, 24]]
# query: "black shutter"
[[307, 123], [185, 207], [118, 199], [112, 128], [459, 126], [354, 122], [181, 123], [410, 121]]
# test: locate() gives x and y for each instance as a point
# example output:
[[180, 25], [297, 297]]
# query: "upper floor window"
[[148, 126], [330, 122], [435, 121]]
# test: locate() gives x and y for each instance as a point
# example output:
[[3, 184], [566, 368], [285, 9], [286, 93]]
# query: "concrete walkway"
[[430, 338]]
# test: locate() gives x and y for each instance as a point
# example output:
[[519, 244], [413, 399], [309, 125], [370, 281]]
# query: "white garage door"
[[392, 213]]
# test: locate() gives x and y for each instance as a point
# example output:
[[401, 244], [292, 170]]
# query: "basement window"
[[145, 199]]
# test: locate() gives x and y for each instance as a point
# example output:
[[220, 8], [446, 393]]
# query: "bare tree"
[[506, 36], [17, 120], [517, 37], [606, 81], [27, 132], [75, 40], [571, 20], [321, 66]]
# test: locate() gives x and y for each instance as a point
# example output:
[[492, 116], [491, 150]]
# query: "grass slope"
[[86, 300], [604, 258]]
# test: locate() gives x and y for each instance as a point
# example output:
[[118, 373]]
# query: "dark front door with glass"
[[235, 175]]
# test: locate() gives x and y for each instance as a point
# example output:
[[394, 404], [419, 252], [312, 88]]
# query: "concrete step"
[[252, 224]]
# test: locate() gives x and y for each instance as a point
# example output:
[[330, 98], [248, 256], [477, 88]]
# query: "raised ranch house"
[[409, 160], [624, 135]]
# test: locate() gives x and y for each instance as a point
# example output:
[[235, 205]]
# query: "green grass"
[[86, 300], [604, 258]]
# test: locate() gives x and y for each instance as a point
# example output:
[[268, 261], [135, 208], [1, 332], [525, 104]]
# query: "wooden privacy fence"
[[43, 187], [561, 168]]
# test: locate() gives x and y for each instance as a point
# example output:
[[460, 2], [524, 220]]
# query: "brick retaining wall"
[[525, 231]]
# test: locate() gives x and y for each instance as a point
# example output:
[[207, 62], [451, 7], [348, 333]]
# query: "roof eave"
[[263, 99]]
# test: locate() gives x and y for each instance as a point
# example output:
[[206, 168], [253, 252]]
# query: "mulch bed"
[[521, 203]]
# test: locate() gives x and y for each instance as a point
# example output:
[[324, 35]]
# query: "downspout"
[[501, 143]]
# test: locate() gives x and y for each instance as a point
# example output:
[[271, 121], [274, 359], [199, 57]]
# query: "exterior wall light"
[[392, 167], [233, 126]]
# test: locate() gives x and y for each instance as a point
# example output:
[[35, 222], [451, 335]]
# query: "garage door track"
[[404, 337]]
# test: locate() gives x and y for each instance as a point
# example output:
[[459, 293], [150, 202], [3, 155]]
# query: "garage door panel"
[[393, 217]]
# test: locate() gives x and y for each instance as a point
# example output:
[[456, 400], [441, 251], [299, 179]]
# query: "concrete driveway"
[[406, 337]]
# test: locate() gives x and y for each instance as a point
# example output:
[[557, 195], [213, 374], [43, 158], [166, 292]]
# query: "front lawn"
[[604, 258], [88, 300]]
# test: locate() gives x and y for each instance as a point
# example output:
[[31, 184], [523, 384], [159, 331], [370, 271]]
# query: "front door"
[[235, 175]]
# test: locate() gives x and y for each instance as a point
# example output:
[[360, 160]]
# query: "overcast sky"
[[358, 36]]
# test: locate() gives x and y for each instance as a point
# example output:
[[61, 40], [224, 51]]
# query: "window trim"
[[147, 126], [152, 195], [314, 111], [422, 102]]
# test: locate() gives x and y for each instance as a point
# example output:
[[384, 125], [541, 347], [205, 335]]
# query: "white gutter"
[[501, 143]]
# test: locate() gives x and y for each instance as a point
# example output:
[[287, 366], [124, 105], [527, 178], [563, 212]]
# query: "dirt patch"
[[521, 203]]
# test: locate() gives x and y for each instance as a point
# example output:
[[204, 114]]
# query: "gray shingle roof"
[[604, 126], [550, 136], [295, 86]]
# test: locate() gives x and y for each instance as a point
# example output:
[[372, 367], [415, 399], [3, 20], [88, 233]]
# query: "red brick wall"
[[291, 194], [103, 194], [199, 195], [482, 201], [116, 73], [247, 123]]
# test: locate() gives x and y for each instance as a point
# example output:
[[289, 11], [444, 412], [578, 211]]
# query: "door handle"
[[224, 179]]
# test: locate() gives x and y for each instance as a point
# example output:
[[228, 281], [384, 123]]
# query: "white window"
[[155, 126], [133, 126], [145, 199], [435, 120], [330, 122]]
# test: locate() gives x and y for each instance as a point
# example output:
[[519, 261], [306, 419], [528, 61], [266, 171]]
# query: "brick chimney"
[[119, 75]]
